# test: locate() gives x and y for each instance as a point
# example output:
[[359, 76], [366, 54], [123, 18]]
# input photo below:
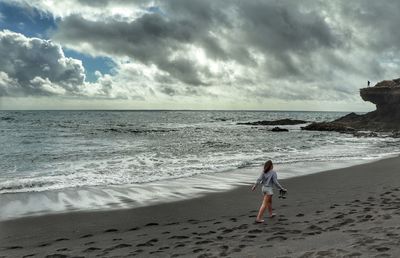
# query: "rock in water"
[[285, 121], [278, 129]]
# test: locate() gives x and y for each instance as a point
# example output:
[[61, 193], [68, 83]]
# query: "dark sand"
[[351, 212]]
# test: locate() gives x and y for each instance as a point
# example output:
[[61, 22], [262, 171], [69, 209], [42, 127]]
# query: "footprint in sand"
[[198, 250], [119, 246], [228, 230], [110, 230], [340, 216], [277, 238], [62, 250], [203, 242], [152, 224], [179, 237], [44, 244], [172, 223], [255, 231], [148, 243], [332, 228], [314, 227], [56, 256], [86, 236], [207, 233], [14, 247], [236, 250], [293, 231], [382, 249], [251, 236], [61, 239], [91, 249], [243, 226], [325, 253]]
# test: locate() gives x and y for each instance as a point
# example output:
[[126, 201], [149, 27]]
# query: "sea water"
[[56, 161]]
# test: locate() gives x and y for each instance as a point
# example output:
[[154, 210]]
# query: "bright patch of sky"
[[27, 21], [155, 9], [34, 23], [104, 65]]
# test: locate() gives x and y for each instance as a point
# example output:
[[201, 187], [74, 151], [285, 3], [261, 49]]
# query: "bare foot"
[[272, 215]]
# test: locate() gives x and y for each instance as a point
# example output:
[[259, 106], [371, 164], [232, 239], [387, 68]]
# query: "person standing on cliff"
[[369, 83]]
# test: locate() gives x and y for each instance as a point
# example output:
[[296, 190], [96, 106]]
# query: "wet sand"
[[350, 212]]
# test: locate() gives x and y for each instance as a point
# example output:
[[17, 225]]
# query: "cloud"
[[209, 43], [242, 50], [32, 66], [93, 10], [150, 39]]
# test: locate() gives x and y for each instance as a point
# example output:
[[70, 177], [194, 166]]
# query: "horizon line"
[[195, 110]]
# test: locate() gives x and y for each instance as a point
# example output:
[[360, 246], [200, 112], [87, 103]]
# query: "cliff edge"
[[386, 96]]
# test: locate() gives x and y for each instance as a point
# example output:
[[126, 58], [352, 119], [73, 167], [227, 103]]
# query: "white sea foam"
[[14, 205], [112, 158]]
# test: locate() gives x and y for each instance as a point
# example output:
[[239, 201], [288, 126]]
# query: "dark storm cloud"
[[284, 33], [32, 66], [379, 20], [226, 30], [279, 27], [151, 39]]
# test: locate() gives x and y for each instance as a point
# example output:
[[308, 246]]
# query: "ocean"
[[58, 161]]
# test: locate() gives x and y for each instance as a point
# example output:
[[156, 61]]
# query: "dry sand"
[[350, 212]]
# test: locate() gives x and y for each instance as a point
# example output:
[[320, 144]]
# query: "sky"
[[195, 54]]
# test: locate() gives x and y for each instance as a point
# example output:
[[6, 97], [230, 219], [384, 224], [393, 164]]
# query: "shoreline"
[[115, 197], [325, 212]]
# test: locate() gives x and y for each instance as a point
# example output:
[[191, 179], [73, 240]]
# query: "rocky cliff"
[[386, 96]]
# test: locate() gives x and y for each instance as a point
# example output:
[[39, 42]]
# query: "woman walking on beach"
[[267, 179]]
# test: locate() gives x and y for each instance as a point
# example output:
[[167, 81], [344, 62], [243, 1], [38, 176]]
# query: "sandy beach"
[[350, 212]]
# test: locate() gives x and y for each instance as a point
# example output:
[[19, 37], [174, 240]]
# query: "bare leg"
[[269, 204], [264, 205]]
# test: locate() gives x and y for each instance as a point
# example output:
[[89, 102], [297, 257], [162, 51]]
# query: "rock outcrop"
[[285, 121], [386, 96], [279, 129]]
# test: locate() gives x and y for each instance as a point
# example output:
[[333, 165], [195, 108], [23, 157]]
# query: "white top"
[[269, 179]]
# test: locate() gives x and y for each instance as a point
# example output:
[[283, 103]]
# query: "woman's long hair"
[[268, 166]]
